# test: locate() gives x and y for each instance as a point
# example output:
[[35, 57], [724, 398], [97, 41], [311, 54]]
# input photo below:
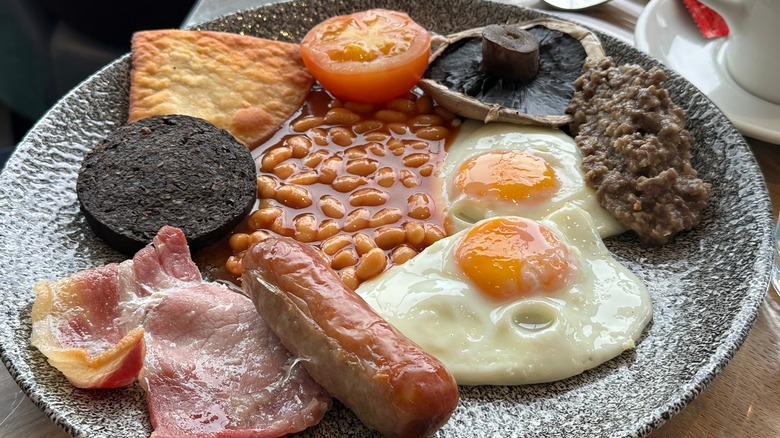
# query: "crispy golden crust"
[[243, 84]]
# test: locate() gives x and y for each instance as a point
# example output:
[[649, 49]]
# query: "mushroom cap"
[[455, 80]]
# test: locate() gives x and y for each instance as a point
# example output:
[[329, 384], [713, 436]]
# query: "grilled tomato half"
[[370, 56]]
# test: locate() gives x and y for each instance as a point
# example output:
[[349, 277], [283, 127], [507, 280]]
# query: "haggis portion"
[[636, 150]]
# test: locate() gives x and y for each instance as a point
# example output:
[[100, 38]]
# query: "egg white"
[[543, 338], [555, 147]]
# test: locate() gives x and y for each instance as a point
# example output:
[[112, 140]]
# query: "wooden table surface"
[[743, 401]]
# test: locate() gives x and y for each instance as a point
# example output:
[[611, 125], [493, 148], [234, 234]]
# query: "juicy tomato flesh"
[[371, 56]]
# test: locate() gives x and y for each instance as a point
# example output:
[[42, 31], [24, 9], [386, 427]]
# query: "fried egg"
[[515, 301], [500, 169]]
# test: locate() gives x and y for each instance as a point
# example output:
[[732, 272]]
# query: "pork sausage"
[[386, 379]]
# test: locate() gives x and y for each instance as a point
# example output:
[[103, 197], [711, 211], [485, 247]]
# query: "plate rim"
[[653, 419]]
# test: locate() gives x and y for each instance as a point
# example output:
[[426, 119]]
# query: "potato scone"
[[245, 85]]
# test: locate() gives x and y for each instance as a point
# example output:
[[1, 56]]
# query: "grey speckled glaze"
[[706, 287]]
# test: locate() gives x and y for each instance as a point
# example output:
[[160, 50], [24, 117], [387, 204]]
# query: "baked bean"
[[419, 206], [274, 157], [331, 207], [385, 216], [426, 170], [433, 234], [343, 258], [398, 128], [285, 170], [432, 132], [367, 197], [319, 135], [293, 196], [371, 264], [408, 178], [263, 217], [398, 152], [376, 148], [356, 220], [380, 137], [363, 243], [395, 144], [341, 116], [315, 158], [389, 237], [426, 120], [300, 146], [234, 265], [424, 105], [415, 233], [367, 126], [263, 203], [330, 168], [348, 183], [327, 229], [385, 177], [356, 152], [334, 244], [390, 116], [305, 178], [417, 144], [400, 104], [349, 278], [279, 227], [416, 160], [336, 103], [266, 186], [362, 166], [305, 226], [258, 236], [402, 254], [306, 123], [358, 107], [341, 136], [239, 242]]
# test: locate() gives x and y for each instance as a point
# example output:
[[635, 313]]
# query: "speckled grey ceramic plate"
[[706, 287]]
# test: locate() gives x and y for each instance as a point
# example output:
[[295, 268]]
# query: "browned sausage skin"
[[387, 380]]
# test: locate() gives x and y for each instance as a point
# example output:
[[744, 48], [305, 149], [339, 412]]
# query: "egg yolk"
[[512, 257], [508, 175]]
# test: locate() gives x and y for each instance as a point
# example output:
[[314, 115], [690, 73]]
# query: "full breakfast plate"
[[706, 286]]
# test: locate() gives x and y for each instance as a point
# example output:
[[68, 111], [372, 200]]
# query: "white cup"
[[752, 49]]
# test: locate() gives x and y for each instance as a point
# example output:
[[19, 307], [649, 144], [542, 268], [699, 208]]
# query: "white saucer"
[[666, 31]]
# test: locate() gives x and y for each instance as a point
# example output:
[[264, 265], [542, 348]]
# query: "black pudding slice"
[[172, 170]]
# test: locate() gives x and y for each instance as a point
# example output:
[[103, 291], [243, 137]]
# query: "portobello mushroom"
[[494, 85]]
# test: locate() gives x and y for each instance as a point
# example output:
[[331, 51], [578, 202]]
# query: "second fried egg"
[[500, 169]]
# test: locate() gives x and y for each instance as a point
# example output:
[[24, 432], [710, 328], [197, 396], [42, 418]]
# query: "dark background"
[[48, 47]]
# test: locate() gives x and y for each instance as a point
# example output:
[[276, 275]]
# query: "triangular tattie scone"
[[245, 85]]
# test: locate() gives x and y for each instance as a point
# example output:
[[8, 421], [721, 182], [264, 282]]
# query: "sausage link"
[[387, 380]]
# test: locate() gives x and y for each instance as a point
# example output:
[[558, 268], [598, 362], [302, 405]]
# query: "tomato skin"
[[371, 56]]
